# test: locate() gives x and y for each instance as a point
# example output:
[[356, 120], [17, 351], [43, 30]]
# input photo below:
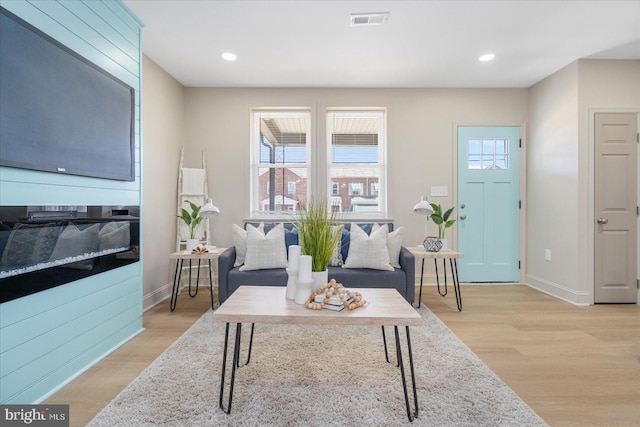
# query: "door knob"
[[603, 221], [463, 217]]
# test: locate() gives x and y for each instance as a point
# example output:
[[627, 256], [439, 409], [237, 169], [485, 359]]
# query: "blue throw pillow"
[[290, 238], [344, 250]]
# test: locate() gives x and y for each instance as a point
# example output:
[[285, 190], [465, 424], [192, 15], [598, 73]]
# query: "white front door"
[[615, 202]]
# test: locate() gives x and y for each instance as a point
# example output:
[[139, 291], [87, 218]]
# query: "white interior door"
[[615, 202]]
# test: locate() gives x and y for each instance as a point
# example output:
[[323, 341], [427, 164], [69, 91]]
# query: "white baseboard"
[[580, 298], [154, 298]]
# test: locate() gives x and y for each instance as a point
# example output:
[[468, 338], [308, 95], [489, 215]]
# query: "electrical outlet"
[[439, 191], [547, 254]]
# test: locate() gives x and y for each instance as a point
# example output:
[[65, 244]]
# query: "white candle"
[[294, 257], [304, 271]]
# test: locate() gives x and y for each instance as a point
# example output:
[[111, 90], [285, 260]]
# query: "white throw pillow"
[[265, 251], [336, 256], [368, 251], [240, 242], [394, 244]]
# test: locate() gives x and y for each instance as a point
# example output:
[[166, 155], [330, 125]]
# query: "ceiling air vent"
[[360, 19]]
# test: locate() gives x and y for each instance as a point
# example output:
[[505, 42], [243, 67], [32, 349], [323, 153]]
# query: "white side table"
[[452, 256], [180, 257]]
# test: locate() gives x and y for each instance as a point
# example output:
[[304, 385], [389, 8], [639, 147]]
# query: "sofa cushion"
[[394, 243], [265, 251], [354, 278], [290, 238], [368, 251], [336, 257], [240, 242]]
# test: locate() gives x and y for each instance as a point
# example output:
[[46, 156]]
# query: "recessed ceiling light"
[[487, 57], [229, 56]]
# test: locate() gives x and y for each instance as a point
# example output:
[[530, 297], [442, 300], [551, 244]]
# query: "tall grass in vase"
[[318, 234]]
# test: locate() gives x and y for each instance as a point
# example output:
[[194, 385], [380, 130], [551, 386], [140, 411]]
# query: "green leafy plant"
[[192, 219], [317, 234], [442, 221]]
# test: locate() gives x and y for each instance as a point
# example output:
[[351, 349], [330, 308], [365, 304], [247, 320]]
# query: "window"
[[279, 159], [488, 154], [355, 189], [356, 152], [284, 154]]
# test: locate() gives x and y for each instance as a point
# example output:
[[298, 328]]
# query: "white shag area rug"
[[317, 376]]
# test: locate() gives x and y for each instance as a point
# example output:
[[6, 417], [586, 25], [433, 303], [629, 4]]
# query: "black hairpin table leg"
[[444, 267], [411, 415], [236, 356], [421, 278], [197, 279], [235, 363], [176, 285], [456, 282]]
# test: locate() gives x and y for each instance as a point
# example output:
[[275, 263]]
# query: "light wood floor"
[[575, 366]]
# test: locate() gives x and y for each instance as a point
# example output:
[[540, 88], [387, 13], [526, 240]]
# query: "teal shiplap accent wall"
[[48, 338]]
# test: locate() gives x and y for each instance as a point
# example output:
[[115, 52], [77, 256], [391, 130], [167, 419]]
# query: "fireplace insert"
[[46, 246]]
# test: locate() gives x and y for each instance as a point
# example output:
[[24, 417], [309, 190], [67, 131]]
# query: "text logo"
[[34, 415]]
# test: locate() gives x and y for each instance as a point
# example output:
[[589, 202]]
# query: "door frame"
[[591, 246], [522, 189]]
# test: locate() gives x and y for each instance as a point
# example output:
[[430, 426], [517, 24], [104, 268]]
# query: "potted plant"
[[192, 220], [318, 236], [442, 221]]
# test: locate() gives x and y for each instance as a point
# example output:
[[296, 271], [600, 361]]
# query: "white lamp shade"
[[423, 208], [208, 210]]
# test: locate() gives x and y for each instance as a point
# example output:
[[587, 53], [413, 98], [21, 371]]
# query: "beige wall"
[[162, 136], [421, 154], [420, 139], [552, 184], [560, 173], [604, 86]]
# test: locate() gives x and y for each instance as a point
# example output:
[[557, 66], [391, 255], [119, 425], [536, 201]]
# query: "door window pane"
[[490, 154]]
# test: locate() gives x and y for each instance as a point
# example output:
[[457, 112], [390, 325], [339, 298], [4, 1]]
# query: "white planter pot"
[[320, 278], [192, 243]]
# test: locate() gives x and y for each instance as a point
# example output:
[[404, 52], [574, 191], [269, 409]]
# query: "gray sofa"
[[231, 278]]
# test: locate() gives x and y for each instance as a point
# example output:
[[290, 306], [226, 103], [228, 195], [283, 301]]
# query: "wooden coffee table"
[[268, 304]]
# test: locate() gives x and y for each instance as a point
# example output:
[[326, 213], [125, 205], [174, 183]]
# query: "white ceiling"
[[425, 44]]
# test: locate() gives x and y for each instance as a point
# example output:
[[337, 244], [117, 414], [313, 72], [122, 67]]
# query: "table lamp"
[[424, 208]]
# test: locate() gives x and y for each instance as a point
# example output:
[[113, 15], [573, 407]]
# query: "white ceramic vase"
[[292, 283], [320, 278], [303, 291], [192, 243]]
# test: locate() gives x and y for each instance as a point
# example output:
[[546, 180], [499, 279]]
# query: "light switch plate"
[[439, 191]]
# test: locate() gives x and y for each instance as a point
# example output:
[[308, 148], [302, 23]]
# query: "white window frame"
[[381, 112], [335, 189], [254, 152], [374, 189], [291, 185], [360, 189]]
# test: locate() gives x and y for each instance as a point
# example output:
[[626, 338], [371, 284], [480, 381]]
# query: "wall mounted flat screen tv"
[[58, 111]]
